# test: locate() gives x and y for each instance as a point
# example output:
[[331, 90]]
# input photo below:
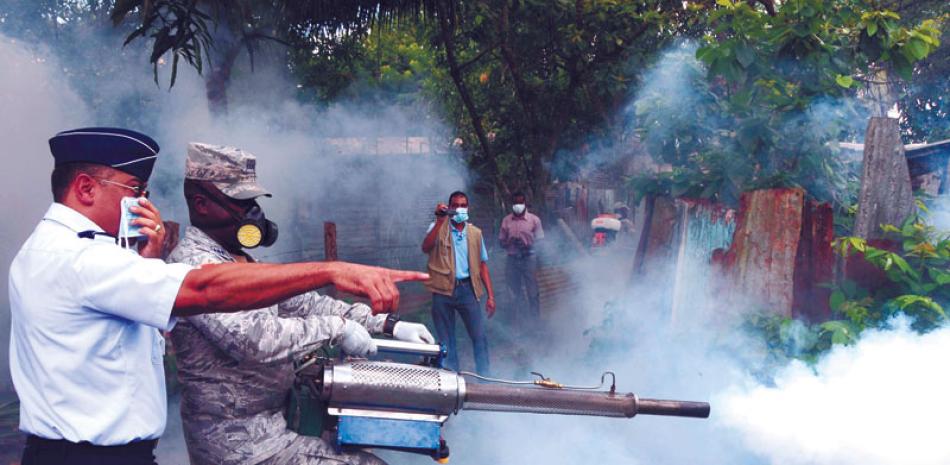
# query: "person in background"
[[519, 233], [236, 370], [459, 279], [623, 214], [86, 312]]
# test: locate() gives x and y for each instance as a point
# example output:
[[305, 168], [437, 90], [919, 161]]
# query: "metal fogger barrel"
[[402, 406], [573, 402], [421, 389]]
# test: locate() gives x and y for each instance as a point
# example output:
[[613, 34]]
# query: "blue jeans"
[[469, 308]]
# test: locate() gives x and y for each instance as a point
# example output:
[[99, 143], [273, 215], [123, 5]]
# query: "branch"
[[479, 56], [446, 29]]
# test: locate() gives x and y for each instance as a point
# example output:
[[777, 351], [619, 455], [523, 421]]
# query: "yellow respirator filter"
[[249, 236]]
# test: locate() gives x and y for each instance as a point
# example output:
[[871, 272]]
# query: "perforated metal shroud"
[[395, 386]]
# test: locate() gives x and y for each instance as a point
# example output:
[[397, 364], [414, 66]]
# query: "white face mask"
[[461, 215], [518, 208], [128, 231]]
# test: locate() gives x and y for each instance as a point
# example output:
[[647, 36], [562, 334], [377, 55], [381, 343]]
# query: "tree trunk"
[[886, 196], [216, 85], [446, 34]]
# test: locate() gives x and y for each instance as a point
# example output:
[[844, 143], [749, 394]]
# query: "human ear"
[[85, 188]]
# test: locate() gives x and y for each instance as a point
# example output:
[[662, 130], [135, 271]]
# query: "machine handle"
[[412, 348]]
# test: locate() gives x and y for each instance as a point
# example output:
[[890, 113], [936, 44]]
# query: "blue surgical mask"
[[461, 215]]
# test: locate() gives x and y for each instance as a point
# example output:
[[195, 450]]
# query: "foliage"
[[925, 115], [185, 28], [389, 66], [780, 92], [536, 86], [919, 276]]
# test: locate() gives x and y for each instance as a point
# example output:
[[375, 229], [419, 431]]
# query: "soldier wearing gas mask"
[[236, 370]]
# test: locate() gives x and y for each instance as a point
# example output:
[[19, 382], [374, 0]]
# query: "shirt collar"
[[70, 218]]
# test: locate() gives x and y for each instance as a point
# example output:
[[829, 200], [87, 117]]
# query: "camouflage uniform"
[[236, 372]]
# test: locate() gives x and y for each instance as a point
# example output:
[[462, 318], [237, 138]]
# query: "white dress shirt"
[[85, 347]]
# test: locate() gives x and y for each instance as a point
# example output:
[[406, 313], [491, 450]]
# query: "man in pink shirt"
[[519, 233]]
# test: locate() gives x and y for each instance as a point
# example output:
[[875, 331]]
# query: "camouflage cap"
[[230, 169]]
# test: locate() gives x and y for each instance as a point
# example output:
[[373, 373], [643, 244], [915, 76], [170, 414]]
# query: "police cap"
[[122, 149]]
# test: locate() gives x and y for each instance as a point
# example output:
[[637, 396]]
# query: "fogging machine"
[[403, 406]]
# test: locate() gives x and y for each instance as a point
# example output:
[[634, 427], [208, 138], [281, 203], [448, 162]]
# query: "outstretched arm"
[[230, 287]]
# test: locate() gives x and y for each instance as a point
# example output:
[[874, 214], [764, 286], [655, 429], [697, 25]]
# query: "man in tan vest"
[[458, 279]]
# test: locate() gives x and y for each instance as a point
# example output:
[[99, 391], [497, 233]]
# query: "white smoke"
[[35, 103], [879, 402]]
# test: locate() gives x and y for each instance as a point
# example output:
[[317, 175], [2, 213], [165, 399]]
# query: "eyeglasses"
[[140, 191]]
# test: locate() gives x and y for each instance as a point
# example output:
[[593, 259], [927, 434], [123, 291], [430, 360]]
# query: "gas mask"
[[461, 215], [518, 208], [256, 230]]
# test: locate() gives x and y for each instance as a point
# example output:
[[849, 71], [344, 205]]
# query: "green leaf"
[[940, 277], [836, 300], [745, 55], [840, 337], [918, 48], [872, 29], [844, 81], [706, 54], [890, 228], [725, 3]]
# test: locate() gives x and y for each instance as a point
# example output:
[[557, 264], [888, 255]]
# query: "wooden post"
[[329, 249], [641, 253], [329, 241], [886, 196]]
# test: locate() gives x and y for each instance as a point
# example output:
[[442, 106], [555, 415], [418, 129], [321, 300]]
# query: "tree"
[[535, 80], [780, 92], [215, 32]]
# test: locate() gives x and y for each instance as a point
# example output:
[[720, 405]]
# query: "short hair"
[[64, 175], [518, 194], [456, 194]]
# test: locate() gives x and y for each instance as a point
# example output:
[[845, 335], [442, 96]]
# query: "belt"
[[134, 447], [459, 282]]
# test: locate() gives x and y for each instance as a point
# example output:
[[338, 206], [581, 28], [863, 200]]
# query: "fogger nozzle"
[[397, 386], [572, 402]]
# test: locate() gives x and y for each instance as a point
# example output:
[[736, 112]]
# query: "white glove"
[[356, 340], [412, 332]]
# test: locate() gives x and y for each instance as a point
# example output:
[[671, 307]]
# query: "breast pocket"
[[158, 348]]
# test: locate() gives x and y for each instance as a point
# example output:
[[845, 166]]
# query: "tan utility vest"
[[442, 261]]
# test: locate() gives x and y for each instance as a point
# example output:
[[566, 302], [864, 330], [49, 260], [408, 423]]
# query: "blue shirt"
[[460, 246], [85, 347]]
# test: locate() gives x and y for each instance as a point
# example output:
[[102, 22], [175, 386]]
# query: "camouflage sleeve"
[[265, 337], [313, 304]]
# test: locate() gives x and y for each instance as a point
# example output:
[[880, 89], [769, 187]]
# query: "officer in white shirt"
[[85, 347]]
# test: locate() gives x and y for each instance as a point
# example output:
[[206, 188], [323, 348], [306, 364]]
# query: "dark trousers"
[[463, 302], [41, 451], [521, 274]]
